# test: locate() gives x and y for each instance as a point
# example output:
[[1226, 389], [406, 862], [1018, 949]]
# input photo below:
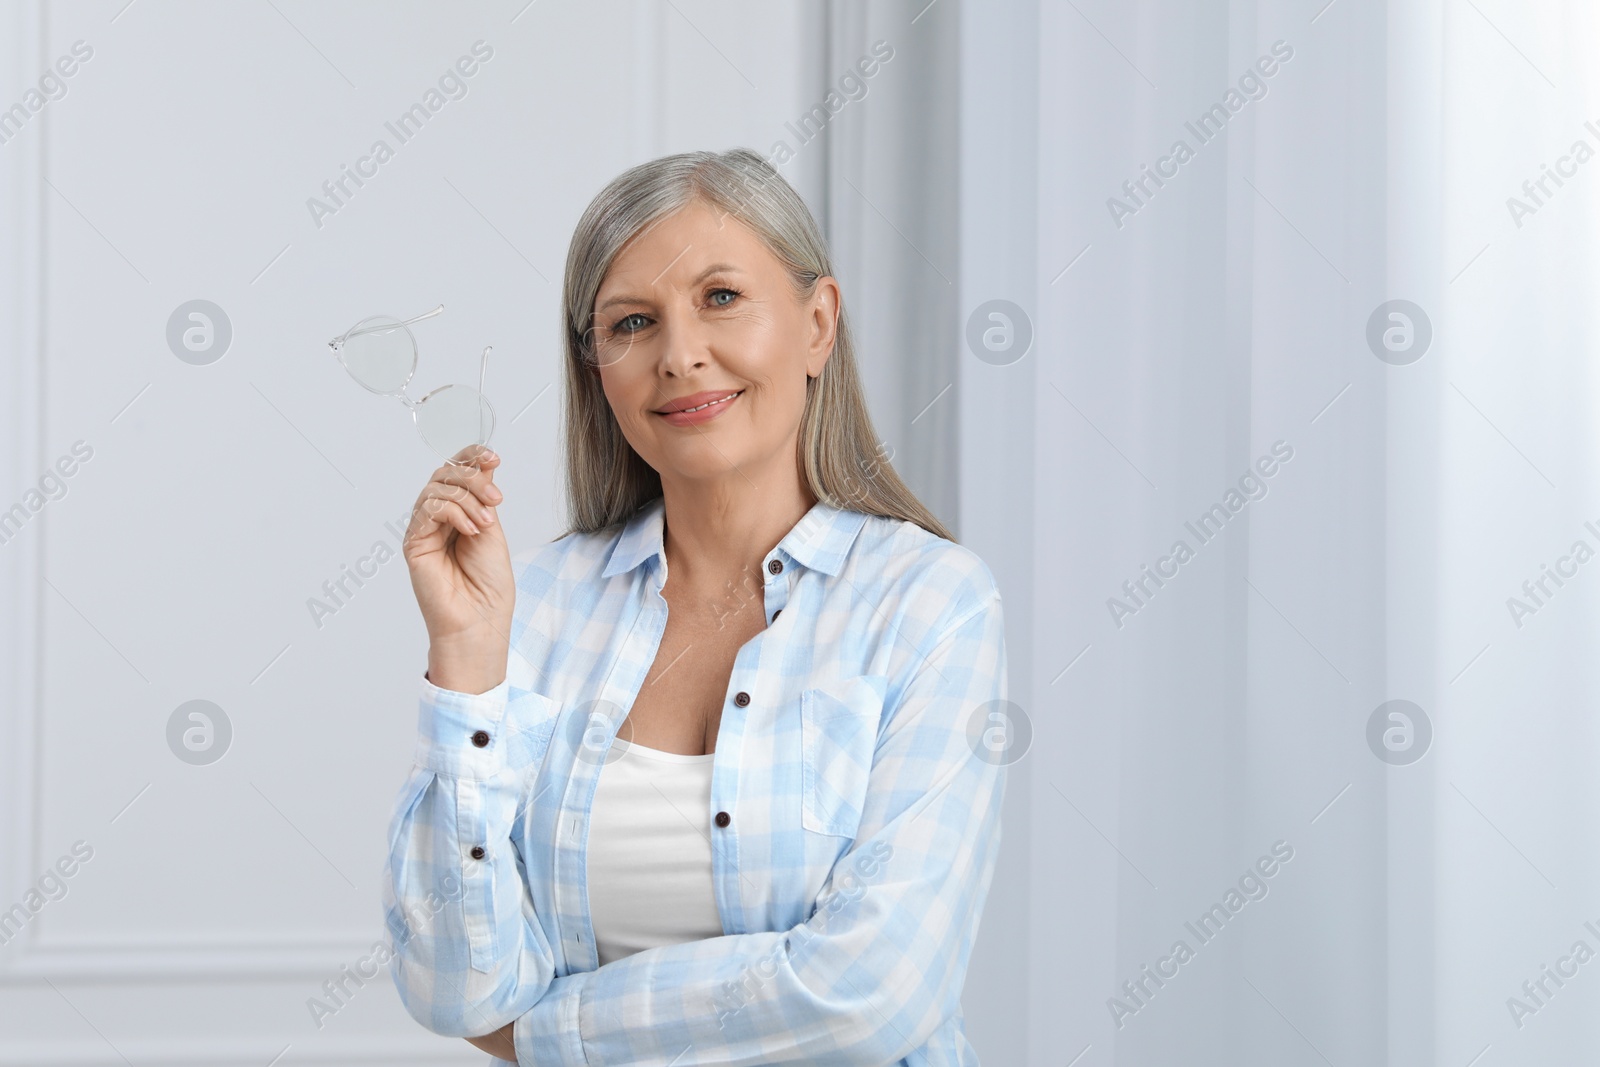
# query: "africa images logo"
[[1252, 885], [1205, 129], [452, 85]]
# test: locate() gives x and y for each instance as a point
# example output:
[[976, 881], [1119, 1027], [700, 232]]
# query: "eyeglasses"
[[381, 354]]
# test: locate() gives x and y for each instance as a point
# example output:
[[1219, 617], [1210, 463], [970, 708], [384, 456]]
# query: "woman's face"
[[696, 309]]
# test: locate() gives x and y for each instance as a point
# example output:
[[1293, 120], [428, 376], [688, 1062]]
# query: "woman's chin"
[[705, 461]]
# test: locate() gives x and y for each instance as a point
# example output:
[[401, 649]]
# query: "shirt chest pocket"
[[839, 731]]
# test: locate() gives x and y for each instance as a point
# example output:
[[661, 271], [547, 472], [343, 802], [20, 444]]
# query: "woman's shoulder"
[[902, 548], [934, 577]]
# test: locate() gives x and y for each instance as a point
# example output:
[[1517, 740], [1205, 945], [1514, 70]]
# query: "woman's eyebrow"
[[715, 268]]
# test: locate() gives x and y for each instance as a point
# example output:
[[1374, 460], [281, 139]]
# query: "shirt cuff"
[[459, 734], [548, 1033]]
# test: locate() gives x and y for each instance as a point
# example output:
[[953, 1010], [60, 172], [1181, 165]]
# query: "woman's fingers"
[[458, 497], [480, 455], [434, 512], [445, 506], [467, 501], [479, 481]]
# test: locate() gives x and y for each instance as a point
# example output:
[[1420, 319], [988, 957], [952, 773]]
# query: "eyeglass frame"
[[392, 323]]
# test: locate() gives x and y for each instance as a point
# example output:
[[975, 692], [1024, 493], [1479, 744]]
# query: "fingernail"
[[488, 517]]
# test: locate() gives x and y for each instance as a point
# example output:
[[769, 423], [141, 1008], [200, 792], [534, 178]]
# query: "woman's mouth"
[[701, 412]]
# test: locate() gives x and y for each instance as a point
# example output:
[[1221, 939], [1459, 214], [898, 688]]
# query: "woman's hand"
[[461, 574], [498, 1044]]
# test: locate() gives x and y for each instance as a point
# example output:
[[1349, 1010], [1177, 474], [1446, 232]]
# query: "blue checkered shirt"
[[854, 815]]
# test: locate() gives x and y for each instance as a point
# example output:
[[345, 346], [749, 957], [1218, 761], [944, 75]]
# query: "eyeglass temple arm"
[[424, 315], [483, 365], [386, 326]]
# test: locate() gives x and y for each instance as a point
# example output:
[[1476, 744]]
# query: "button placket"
[[570, 848], [776, 593]]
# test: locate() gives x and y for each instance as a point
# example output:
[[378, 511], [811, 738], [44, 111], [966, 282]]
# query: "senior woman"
[[702, 781]]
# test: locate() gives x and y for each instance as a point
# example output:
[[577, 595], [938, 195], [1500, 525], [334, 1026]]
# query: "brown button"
[[723, 818], [481, 739], [477, 852], [775, 566], [742, 699]]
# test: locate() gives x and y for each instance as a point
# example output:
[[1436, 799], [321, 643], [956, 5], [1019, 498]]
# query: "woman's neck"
[[720, 531]]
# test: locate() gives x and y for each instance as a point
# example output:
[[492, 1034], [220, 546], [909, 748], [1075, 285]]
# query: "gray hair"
[[839, 455]]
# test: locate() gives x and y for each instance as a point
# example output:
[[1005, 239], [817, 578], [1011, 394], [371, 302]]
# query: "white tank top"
[[649, 854]]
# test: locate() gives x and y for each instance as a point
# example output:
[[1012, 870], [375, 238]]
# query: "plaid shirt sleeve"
[[879, 964], [467, 957]]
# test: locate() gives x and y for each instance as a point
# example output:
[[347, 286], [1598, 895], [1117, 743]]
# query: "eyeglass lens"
[[453, 418], [381, 354]]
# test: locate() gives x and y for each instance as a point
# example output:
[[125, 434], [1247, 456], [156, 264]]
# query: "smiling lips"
[[697, 407]]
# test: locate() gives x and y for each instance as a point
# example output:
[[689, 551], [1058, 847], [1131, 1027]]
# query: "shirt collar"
[[820, 541]]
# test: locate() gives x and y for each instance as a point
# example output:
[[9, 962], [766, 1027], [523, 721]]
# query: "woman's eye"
[[717, 294], [624, 325]]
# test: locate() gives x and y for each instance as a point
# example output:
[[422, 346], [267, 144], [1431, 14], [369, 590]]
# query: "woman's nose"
[[684, 345]]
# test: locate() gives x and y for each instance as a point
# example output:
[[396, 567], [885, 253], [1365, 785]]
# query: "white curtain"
[[1190, 326]]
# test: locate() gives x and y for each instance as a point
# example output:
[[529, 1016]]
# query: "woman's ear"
[[824, 324]]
